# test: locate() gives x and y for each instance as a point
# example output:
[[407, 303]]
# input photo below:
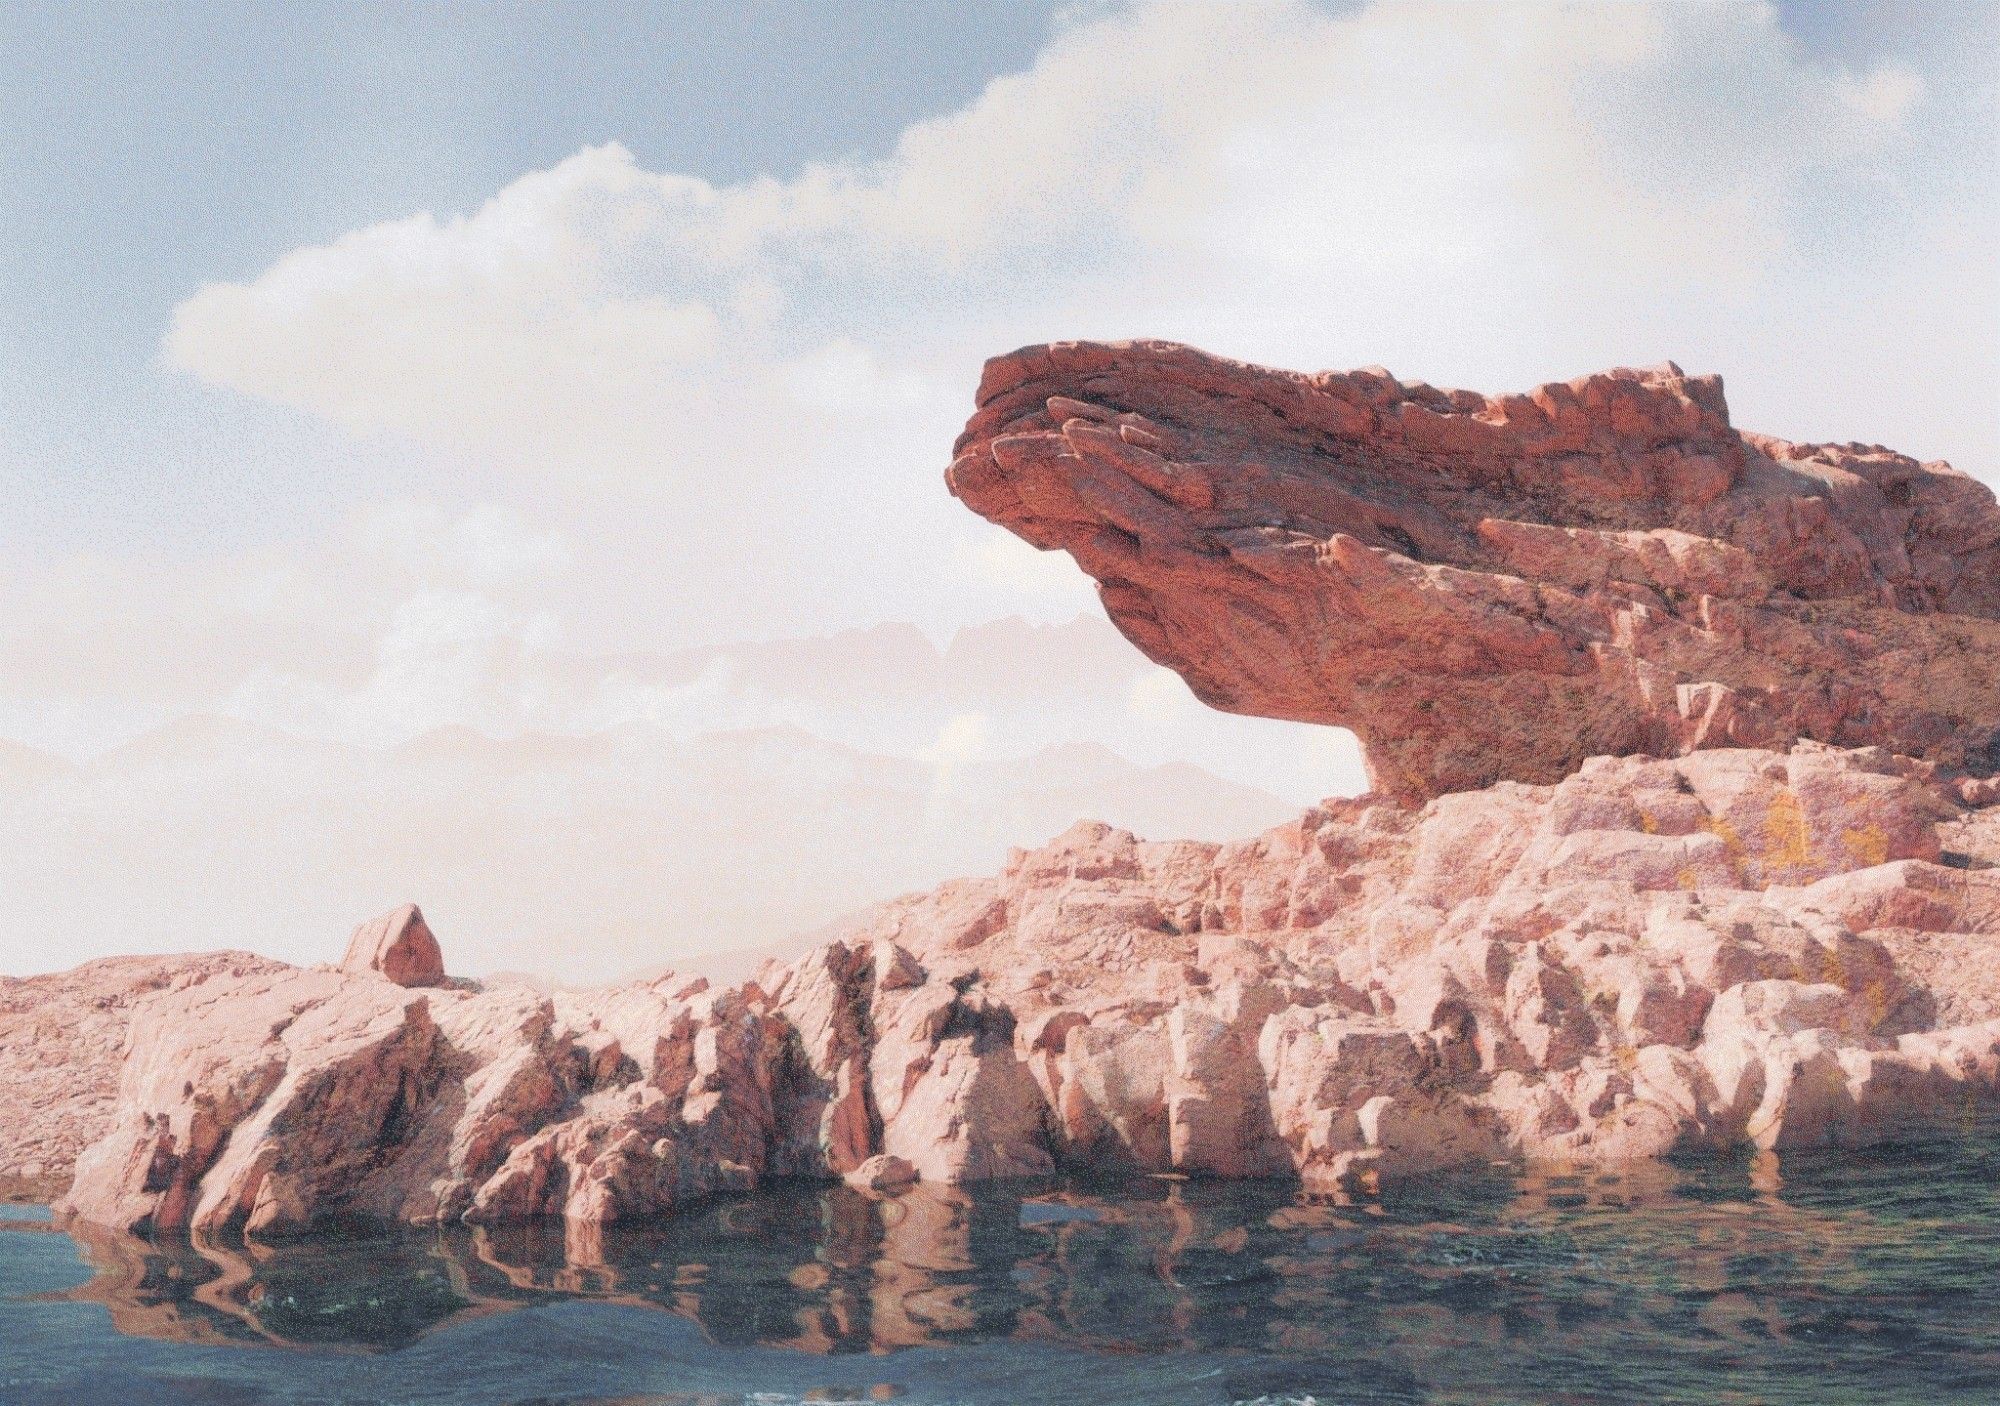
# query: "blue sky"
[[156, 147]]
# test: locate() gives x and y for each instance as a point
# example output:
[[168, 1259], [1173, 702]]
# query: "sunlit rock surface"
[[61, 1039], [1497, 588], [398, 945], [1733, 948]]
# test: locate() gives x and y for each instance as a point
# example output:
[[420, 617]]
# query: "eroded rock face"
[[61, 1039], [1732, 947], [1497, 588]]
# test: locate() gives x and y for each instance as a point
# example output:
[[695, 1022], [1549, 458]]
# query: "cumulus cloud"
[[578, 858], [96, 648], [1267, 173], [757, 382]]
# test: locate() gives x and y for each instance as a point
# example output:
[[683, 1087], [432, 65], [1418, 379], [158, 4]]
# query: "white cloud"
[[1164, 719], [400, 601], [1047, 579], [1885, 93], [581, 858], [485, 545], [964, 740], [1160, 695], [846, 379], [444, 658], [1185, 160], [470, 323]]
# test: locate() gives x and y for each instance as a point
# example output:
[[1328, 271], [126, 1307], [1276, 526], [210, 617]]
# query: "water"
[[1864, 1278]]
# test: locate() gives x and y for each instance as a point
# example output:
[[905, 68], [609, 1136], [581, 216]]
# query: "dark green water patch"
[[1864, 1277]]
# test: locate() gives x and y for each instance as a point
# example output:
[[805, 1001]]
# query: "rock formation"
[[61, 1039], [1733, 947], [1632, 938], [1496, 588]]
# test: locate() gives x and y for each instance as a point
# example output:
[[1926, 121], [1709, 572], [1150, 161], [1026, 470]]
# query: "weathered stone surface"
[[1497, 588], [61, 1039], [882, 1173], [398, 945], [1733, 947]]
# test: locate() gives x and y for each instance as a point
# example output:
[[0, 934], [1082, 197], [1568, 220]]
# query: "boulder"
[[398, 946]]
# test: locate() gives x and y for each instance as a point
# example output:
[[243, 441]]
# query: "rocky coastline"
[[1683, 742]]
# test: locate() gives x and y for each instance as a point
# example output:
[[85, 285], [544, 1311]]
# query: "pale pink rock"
[[399, 946], [1113, 1104], [1377, 989], [970, 1109], [882, 1173], [1219, 1118], [819, 1087], [1546, 1011], [247, 1104], [62, 1040], [895, 969]]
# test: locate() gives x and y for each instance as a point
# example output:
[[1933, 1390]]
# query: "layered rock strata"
[[1737, 947], [1488, 588]]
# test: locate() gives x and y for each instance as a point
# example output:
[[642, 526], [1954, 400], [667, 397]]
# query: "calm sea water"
[[1864, 1278]]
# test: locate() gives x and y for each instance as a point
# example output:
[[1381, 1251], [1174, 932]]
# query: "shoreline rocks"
[[62, 1038], [1733, 948]]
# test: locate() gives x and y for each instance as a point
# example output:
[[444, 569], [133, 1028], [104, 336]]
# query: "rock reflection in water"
[[1729, 1262]]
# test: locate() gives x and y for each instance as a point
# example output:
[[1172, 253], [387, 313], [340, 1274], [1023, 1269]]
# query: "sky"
[[382, 383]]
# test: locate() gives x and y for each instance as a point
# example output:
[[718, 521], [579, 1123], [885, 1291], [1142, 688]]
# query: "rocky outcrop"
[[63, 1036], [61, 1039], [1736, 947], [1497, 588]]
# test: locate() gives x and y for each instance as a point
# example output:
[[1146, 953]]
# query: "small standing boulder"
[[398, 945], [883, 1174]]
